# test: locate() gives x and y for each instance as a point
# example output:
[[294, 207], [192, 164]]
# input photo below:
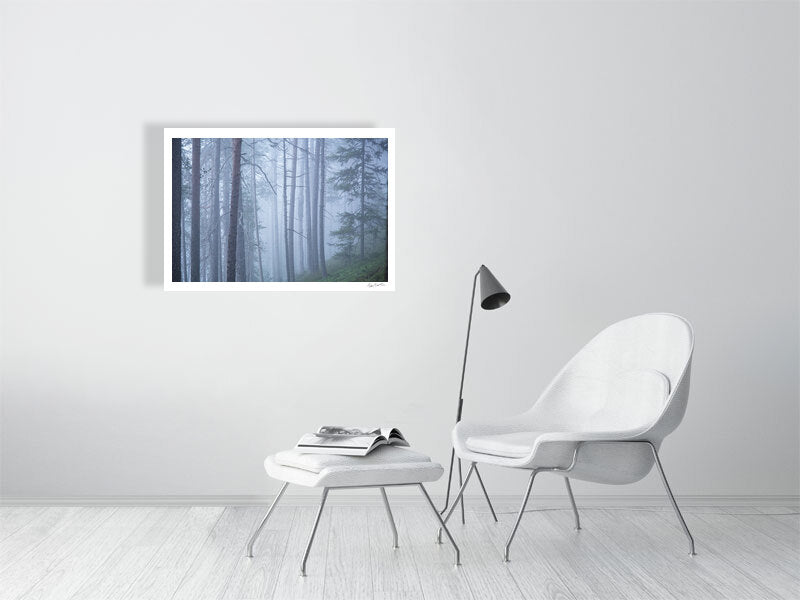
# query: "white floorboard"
[[394, 570], [164, 553]]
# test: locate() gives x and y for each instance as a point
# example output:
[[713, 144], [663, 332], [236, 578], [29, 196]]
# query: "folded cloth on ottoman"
[[386, 465]]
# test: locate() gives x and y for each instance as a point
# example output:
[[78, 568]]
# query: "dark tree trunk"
[[257, 234], [241, 246], [276, 254], [214, 257], [247, 238], [307, 201], [290, 230], [195, 209], [315, 208], [226, 166], [301, 255], [285, 218], [177, 183], [363, 193], [233, 229], [186, 234], [323, 267]]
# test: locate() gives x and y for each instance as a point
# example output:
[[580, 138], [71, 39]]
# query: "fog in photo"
[[280, 209]]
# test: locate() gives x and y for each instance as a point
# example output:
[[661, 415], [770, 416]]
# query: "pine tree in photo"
[[233, 229], [361, 178], [177, 194]]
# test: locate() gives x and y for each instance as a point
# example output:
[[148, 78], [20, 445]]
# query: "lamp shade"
[[493, 294]]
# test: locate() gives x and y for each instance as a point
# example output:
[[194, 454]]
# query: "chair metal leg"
[[461, 482], [574, 507], [391, 518], [449, 481], [257, 532], [519, 516], [485, 495], [313, 531], [672, 500], [455, 502], [442, 523]]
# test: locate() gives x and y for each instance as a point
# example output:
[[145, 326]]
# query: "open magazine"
[[349, 441]]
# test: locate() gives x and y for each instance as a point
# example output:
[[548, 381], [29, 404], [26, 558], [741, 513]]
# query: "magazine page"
[[348, 445], [355, 442], [342, 430], [350, 441], [392, 434]]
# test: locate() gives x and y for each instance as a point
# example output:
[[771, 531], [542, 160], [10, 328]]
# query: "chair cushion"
[[509, 445], [633, 399], [380, 456]]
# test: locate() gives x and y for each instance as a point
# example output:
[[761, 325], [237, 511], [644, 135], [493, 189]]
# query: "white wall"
[[603, 159]]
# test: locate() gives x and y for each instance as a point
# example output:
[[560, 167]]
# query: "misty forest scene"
[[280, 209]]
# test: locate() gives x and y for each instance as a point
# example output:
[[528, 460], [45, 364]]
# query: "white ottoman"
[[383, 467]]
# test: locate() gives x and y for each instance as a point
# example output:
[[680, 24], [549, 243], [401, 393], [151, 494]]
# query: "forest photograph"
[[278, 212]]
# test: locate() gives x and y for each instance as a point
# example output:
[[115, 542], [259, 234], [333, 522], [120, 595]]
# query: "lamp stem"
[[460, 392], [466, 347]]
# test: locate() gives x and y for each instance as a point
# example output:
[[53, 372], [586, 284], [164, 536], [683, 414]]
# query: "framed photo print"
[[278, 209]]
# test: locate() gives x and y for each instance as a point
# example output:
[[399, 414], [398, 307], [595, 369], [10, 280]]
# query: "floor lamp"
[[493, 295]]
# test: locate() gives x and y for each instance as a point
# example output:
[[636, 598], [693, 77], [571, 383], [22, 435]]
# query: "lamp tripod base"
[[460, 483]]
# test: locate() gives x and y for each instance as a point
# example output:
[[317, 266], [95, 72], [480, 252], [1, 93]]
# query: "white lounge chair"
[[601, 419]]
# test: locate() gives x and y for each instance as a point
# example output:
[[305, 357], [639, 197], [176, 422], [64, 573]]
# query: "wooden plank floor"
[[160, 553]]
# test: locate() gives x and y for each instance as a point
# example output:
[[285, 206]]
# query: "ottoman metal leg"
[[257, 532], [442, 523], [313, 531], [391, 518], [455, 502]]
